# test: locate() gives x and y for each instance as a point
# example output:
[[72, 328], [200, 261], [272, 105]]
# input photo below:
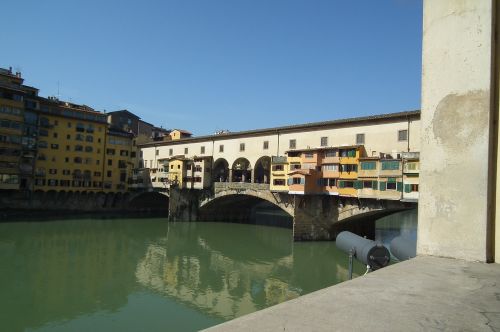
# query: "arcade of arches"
[[242, 171]]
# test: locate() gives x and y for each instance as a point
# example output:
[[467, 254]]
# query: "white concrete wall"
[[456, 105]]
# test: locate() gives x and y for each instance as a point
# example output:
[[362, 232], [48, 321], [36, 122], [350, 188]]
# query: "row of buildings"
[[48, 144], [342, 171], [370, 157]]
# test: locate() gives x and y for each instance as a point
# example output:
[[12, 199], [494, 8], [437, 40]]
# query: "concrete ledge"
[[423, 294]]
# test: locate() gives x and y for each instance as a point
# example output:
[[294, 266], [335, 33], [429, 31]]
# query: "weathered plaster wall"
[[456, 105]]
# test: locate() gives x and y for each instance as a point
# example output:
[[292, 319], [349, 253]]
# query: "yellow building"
[[71, 140], [349, 163], [177, 171], [179, 133], [279, 173], [11, 124], [120, 160]]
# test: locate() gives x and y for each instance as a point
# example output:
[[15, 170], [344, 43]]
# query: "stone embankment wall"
[[52, 201]]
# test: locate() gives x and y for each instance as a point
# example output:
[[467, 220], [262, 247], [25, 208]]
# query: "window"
[[79, 137], [411, 166], [242, 147], [324, 141], [54, 135], [68, 136], [43, 132], [330, 167], [97, 162], [97, 173], [330, 153], [402, 135], [278, 167], [124, 153], [170, 152], [68, 147], [348, 168], [279, 182], [89, 138], [360, 139], [308, 155], [77, 160], [391, 165], [293, 144], [348, 153], [43, 144], [52, 171], [185, 150], [266, 145], [368, 165], [110, 162], [391, 184], [66, 160], [110, 152], [202, 150], [409, 187], [109, 174], [80, 127], [78, 147], [298, 180], [89, 149], [157, 152], [54, 146]]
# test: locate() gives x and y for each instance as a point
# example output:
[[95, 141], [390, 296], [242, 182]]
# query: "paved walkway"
[[423, 294]]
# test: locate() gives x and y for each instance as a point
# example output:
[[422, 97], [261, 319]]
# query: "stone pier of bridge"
[[315, 217]]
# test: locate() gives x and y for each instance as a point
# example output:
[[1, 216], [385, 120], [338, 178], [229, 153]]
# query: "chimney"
[[18, 74]]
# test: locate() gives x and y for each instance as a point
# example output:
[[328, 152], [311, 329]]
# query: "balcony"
[[330, 160]]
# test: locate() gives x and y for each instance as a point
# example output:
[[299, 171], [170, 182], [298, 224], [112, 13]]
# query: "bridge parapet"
[[224, 186]]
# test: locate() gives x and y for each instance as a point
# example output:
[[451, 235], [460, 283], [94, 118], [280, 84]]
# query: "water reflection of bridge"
[[219, 276]]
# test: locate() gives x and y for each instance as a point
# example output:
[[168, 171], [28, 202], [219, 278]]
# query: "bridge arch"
[[150, 201], [262, 170], [248, 207], [242, 170], [221, 170]]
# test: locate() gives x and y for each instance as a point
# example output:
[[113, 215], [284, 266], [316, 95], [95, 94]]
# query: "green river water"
[[150, 275]]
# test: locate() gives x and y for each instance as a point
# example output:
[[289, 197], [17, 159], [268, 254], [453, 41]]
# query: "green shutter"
[[358, 184], [407, 188], [382, 186], [374, 185], [302, 180], [399, 186], [391, 180], [341, 184]]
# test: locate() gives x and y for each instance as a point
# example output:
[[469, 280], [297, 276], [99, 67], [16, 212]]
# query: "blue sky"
[[206, 65]]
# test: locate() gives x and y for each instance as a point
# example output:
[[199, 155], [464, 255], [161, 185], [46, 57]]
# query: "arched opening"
[[242, 170], [150, 202], [262, 170], [221, 170], [245, 209]]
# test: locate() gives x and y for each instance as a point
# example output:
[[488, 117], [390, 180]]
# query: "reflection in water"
[[402, 223], [230, 270], [147, 274]]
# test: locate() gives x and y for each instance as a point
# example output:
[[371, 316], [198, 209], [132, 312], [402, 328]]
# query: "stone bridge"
[[314, 217]]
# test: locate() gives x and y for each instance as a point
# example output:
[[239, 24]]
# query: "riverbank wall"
[[15, 203]]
